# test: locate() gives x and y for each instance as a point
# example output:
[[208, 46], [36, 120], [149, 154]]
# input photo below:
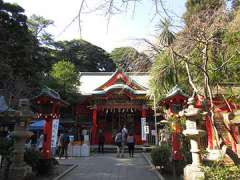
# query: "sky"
[[124, 29]]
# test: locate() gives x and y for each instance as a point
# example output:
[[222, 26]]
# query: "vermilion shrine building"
[[110, 100]]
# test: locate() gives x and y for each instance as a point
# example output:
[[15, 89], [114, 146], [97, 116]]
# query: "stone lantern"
[[19, 169], [194, 117]]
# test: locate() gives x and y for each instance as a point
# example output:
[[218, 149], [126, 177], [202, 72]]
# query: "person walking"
[[118, 142], [130, 144], [60, 146], [66, 141], [101, 140]]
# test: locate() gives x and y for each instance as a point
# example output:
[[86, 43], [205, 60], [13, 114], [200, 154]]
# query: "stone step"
[[113, 149]]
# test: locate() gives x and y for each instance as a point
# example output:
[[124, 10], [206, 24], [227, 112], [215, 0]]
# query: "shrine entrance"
[[112, 121], [116, 99]]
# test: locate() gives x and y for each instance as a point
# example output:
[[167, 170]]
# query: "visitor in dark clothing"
[[130, 144], [101, 141]]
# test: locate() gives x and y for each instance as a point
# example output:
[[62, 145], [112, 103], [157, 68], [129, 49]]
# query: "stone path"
[[108, 167]]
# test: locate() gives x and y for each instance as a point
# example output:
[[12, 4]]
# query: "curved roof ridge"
[[109, 73]]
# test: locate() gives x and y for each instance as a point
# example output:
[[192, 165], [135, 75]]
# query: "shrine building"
[[110, 100]]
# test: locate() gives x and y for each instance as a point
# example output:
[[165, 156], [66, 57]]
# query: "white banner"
[[143, 124], [55, 124]]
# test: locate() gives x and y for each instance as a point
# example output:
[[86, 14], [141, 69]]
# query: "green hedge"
[[219, 171], [161, 155]]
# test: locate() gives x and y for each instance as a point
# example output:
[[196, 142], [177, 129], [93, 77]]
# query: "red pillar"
[[209, 129], [47, 131], [176, 143], [143, 112], [176, 146], [94, 125]]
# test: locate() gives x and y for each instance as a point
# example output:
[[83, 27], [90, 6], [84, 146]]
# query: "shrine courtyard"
[[108, 167]]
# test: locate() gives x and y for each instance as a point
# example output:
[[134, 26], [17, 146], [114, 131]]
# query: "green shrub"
[[32, 158], [186, 152], [161, 155], [219, 171], [6, 151], [45, 166], [41, 166]]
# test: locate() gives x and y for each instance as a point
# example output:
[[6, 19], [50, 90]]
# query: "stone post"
[[19, 169], [193, 171]]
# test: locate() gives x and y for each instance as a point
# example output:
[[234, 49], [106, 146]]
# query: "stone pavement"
[[109, 167]]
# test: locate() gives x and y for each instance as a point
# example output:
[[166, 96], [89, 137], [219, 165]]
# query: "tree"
[[18, 63], [162, 76], [235, 4], [66, 76], [37, 25], [84, 55], [130, 59], [45, 52]]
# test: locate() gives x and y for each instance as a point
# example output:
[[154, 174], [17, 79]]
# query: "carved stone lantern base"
[[193, 173], [19, 169], [19, 172]]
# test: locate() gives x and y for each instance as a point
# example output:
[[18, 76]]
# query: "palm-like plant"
[[166, 37], [162, 76], [164, 70]]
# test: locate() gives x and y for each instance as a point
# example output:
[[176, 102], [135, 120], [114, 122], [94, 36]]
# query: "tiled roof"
[[89, 81]]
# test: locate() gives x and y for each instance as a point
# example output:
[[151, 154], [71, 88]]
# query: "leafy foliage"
[[65, 75], [195, 6], [39, 165], [17, 47], [6, 147], [161, 155], [23, 62], [84, 55], [166, 37], [162, 76], [37, 25], [6, 151], [32, 158], [130, 59], [219, 171]]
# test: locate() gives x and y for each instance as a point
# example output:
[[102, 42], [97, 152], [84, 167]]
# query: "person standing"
[[66, 141], [101, 140], [124, 138], [118, 142], [130, 144], [60, 146], [40, 142]]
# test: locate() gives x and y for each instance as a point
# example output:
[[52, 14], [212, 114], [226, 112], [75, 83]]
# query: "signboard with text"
[[55, 124], [147, 129], [191, 124], [143, 133]]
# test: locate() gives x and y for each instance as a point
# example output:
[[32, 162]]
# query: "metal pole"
[[155, 120]]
